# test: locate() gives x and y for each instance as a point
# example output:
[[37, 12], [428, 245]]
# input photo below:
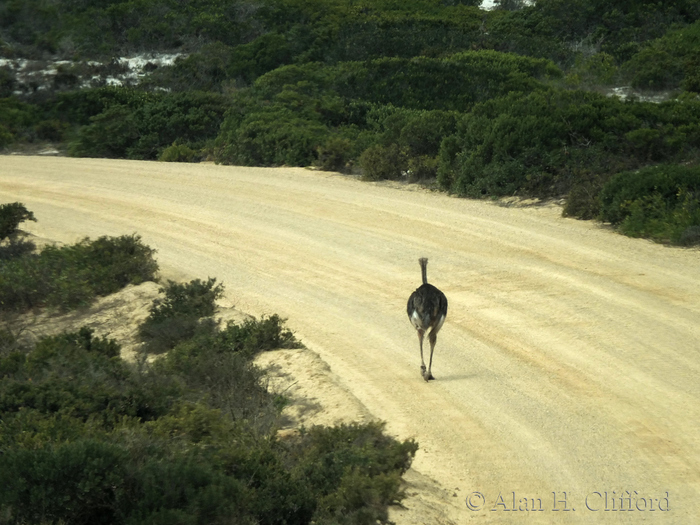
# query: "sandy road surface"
[[569, 364]]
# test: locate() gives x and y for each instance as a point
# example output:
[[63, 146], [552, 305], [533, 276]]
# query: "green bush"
[[548, 28], [72, 276], [217, 363], [87, 437], [422, 168], [77, 375], [668, 62], [11, 216], [176, 317], [110, 134], [17, 120], [334, 154], [404, 35], [75, 482], [380, 162], [141, 127], [356, 469], [422, 132], [81, 106], [544, 142], [271, 138], [660, 202], [456, 82], [582, 201], [178, 153]]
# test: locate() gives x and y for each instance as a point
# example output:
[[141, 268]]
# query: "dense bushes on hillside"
[[17, 121], [547, 142], [660, 202], [288, 115], [668, 62], [559, 29], [451, 83], [149, 125], [89, 28], [87, 437], [70, 276]]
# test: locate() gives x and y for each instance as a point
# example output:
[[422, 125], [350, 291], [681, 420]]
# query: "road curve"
[[568, 370]]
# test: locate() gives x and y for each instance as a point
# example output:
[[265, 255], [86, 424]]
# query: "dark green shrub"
[[81, 106], [87, 438], [424, 131], [17, 120], [189, 118], [265, 53], [9, 344], [334, 154], [380, 162], [8, 83], [53, 130], [668, 62], [136, 127], [415, 32], [271, 137], [582, 201], [11, 216], [547, 28], [179, 153], [110, 134], [453, 83], [203, 71], [355, 469], [254, 336], [218, 362], [176, 317], [80, 376], [660, 202], [16, 248], [228, 379], [72, 276], [456, 82], [541, 143], [75, 482], [421, 168], [113, 262]]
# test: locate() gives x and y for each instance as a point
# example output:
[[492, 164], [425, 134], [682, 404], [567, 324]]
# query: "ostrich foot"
[[426, 374]]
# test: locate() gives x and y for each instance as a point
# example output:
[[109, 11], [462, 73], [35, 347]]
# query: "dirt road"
[[568, 371]]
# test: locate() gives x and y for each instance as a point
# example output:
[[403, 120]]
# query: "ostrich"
[[427, 309]]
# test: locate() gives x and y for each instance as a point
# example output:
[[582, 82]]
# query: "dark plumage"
[[427, 309]]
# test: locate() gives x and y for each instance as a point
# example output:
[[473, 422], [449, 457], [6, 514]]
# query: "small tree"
[[176, 317], [11, 215], [381, 163]]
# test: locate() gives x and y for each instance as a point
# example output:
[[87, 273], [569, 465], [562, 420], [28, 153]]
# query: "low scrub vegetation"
[[87, 437], [177, 317], [71, 276], [11, 216], [661, 203], [190, 437]]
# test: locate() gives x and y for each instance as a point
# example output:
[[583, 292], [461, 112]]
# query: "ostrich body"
[[427, 309]]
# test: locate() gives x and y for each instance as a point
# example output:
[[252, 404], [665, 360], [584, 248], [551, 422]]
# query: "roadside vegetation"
[[513, 101], [187, 438]]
